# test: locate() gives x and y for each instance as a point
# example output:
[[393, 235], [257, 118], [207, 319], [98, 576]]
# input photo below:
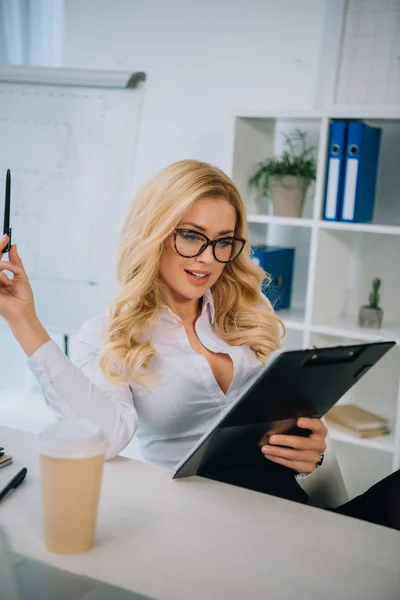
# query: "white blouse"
[[169, 418]]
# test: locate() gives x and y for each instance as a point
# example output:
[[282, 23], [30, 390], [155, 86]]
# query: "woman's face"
[[189, 278]]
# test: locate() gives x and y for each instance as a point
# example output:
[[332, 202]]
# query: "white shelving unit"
[[335, 264]]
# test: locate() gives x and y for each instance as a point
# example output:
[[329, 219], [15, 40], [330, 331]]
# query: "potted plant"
[[371, 314], [285, 179]]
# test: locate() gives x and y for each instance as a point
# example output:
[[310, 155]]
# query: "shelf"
[[273, 220], [293, 318], [339, 226], [335, 263], [389, 111], [346, 327], [280, 114], [351, 111], [386, 443], [362, 227]]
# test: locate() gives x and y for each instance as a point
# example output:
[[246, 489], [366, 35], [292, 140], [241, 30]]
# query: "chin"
[[195, 294], [191, 294]]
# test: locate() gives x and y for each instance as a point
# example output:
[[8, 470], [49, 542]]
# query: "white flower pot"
[[370, 317], [288, 193]]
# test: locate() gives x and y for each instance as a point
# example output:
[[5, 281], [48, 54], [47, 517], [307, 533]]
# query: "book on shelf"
[[357, 421], [359, 434]]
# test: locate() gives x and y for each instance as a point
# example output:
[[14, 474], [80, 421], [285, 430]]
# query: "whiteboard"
[[70, 146]]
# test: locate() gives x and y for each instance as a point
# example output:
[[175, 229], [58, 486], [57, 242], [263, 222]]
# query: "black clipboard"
[[293, 384]]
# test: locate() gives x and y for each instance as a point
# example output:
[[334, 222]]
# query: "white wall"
[[205, 60]]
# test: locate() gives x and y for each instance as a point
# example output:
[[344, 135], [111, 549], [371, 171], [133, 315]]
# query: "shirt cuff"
[[303, 475], [47, 362]]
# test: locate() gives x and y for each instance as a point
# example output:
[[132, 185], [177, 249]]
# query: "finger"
[[310, 456], [6, 265], [301, 467], [4, 280], [15, 257], [316, 425], [3, 242], [298, 442]]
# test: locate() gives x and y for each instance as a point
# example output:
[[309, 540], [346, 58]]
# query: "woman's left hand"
[[299, 453]]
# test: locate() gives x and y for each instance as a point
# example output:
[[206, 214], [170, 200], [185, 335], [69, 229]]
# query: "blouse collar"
[[208, 306]]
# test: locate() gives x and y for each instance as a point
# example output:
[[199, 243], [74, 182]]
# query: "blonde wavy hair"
[[152, 217]]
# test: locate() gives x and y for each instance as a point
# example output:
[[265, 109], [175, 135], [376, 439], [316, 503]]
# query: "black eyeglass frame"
[[209, 242]]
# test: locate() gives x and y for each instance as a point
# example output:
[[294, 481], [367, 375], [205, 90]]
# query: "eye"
[[225, 242], [190, 236]]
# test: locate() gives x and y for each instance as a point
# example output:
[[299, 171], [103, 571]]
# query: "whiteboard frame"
[[80, 79], [86, 78]]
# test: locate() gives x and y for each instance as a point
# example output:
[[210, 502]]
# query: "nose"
[[206, 257]]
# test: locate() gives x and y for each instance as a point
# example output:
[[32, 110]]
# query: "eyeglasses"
[[189, 243]]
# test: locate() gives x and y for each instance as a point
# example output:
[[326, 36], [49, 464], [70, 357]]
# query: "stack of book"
[[356, 421]]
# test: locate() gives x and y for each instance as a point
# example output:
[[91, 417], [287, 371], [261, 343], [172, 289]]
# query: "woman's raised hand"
[[16, 295]]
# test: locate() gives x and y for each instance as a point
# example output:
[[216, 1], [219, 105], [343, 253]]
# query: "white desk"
[[200, 539]]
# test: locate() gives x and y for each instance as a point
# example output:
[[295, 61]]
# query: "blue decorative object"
[[278, 262]]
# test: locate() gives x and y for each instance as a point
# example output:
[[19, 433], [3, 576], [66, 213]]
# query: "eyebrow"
[[225, 232]]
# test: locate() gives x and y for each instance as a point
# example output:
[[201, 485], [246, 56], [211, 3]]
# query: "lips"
[[197, 278]]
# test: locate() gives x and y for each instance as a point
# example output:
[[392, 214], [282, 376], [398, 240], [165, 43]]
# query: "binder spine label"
[[350, 189], [332, 188]]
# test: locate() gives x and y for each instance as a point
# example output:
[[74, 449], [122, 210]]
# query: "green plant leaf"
[[291, 162]]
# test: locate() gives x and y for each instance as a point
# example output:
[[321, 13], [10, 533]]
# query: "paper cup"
[[71, 467]]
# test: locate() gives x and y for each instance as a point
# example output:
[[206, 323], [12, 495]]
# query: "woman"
[[187, 330]]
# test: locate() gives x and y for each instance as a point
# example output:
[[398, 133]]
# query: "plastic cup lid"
[[72, 439]]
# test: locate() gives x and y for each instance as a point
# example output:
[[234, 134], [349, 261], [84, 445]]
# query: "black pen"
[[6, 225], [15, 481]]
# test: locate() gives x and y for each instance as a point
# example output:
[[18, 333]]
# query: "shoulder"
[[94, 331], [264, 303]]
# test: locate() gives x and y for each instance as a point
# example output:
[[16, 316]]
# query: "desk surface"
[[195, 538]]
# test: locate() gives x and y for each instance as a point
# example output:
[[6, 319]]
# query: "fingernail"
[[301, 422], [266, 450]]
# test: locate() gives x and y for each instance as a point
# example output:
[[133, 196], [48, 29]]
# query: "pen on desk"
[[7, 203], [15, 482]]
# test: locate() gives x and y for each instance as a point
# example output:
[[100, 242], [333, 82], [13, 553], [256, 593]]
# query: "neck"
[[188, 310]]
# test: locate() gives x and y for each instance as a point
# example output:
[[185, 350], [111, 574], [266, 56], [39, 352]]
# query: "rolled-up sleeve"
[[79, 389]]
